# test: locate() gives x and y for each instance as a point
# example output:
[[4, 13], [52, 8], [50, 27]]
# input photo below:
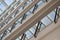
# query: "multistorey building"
[[29, 19]]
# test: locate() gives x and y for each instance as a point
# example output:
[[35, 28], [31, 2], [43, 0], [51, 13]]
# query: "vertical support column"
[[24, 5], [16, 13], [3, 34], [56, 15], [24, 16], [35, 7], [37, 29], [23, 36], [13, 26], [46, 0]]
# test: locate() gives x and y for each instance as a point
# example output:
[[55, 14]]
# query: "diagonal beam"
[[49, 29], [21, 4], [39, 14], [11, 23], [17, 17], [8, 9]]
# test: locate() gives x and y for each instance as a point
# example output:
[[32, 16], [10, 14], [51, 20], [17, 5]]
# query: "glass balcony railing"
[[12, 16], [27, 14], [6, 7], [29, 33], [8, 13], [7, 31], [46, 21]]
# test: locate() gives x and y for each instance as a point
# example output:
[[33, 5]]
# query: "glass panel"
[[21, 0], [28, 34], [32, 30], [2, 7], [20, 9], [8, 2], [40, 3], [46, 21], [52, 15], [17, 39], [42, 27], [28, 13]]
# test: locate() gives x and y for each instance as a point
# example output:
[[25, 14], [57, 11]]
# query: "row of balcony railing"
[[16, 9]]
